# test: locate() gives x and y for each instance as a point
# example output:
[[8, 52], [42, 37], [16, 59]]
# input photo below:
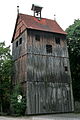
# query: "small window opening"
[[57, 39], [49, 48], [37, 37], [16, 43], [20, 41], [66, 68]]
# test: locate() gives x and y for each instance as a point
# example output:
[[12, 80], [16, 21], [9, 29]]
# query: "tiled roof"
[[44, 24]]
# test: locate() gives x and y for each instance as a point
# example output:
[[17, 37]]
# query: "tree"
[[73, 40], [5, 77]]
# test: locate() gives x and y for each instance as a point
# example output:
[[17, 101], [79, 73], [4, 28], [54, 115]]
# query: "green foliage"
[[18, 108], [73, 39], [5, 77]]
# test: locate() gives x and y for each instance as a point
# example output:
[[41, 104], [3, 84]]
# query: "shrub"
[[18, 106]]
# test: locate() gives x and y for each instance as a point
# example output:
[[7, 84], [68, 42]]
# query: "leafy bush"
[[17, 107], [73, 40], [5, 78]]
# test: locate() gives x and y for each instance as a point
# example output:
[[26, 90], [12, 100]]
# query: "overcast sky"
[[66, 12]]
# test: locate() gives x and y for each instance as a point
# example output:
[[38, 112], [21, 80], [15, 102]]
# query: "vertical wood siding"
[[48, 97], [46, 83]]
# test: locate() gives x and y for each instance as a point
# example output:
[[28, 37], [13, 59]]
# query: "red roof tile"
[[32, 22], [44, 24]]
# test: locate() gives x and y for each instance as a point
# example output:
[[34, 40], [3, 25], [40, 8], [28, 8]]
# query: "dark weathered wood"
[[47, 68], [45, 82], [49, 97]]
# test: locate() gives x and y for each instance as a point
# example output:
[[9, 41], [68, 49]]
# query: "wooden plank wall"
[[48, 97], [19, 54], [21, 50], [39, 47], [47, 68], [48, 84], [45, 83]]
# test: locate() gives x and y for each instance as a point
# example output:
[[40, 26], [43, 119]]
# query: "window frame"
[[37, 37], [20, 41], [58, 40], [48, 48], [17, 44], [66, 68]]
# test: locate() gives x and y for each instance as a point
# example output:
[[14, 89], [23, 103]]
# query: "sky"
[[66, 12]]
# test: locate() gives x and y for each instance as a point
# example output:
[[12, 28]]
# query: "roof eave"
[[64, 33]]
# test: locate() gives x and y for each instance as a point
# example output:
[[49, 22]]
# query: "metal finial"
[[54, 17], [17, 9]]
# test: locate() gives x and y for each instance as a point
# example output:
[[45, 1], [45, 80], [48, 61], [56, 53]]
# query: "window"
[[57, 39], [66, 68], [20, 41], [37, 37], [16, 43], [49, 48]]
